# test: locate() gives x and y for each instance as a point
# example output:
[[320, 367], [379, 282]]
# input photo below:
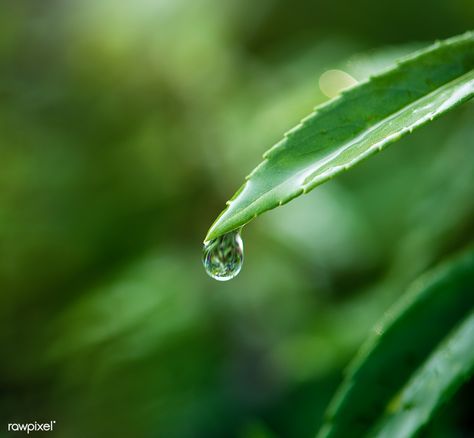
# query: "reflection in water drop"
[[223, 257]]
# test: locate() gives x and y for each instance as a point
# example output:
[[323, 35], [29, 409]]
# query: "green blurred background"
[[124, 128]]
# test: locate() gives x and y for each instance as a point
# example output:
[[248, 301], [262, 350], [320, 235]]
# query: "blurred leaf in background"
[[124, 126]]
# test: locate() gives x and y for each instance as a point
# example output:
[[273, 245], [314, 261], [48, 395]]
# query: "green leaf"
[[399, 345], [353, 126], [446, 370]]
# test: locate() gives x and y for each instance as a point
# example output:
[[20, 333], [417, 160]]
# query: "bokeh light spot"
[[332, 82]]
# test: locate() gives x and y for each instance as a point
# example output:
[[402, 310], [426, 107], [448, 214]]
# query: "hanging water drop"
[[223, 257]]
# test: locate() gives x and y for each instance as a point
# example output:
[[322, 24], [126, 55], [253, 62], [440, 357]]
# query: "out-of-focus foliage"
[[450, 365], [404, 341], [124, 126]]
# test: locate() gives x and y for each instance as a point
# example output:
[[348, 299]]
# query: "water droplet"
[[223, 257]]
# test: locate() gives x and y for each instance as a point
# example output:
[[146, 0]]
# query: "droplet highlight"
[[223, 257]]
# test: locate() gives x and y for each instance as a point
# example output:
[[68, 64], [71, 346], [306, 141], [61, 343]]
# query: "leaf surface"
[[353, 126]]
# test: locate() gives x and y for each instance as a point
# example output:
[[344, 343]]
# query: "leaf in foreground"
[[353, 126]]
